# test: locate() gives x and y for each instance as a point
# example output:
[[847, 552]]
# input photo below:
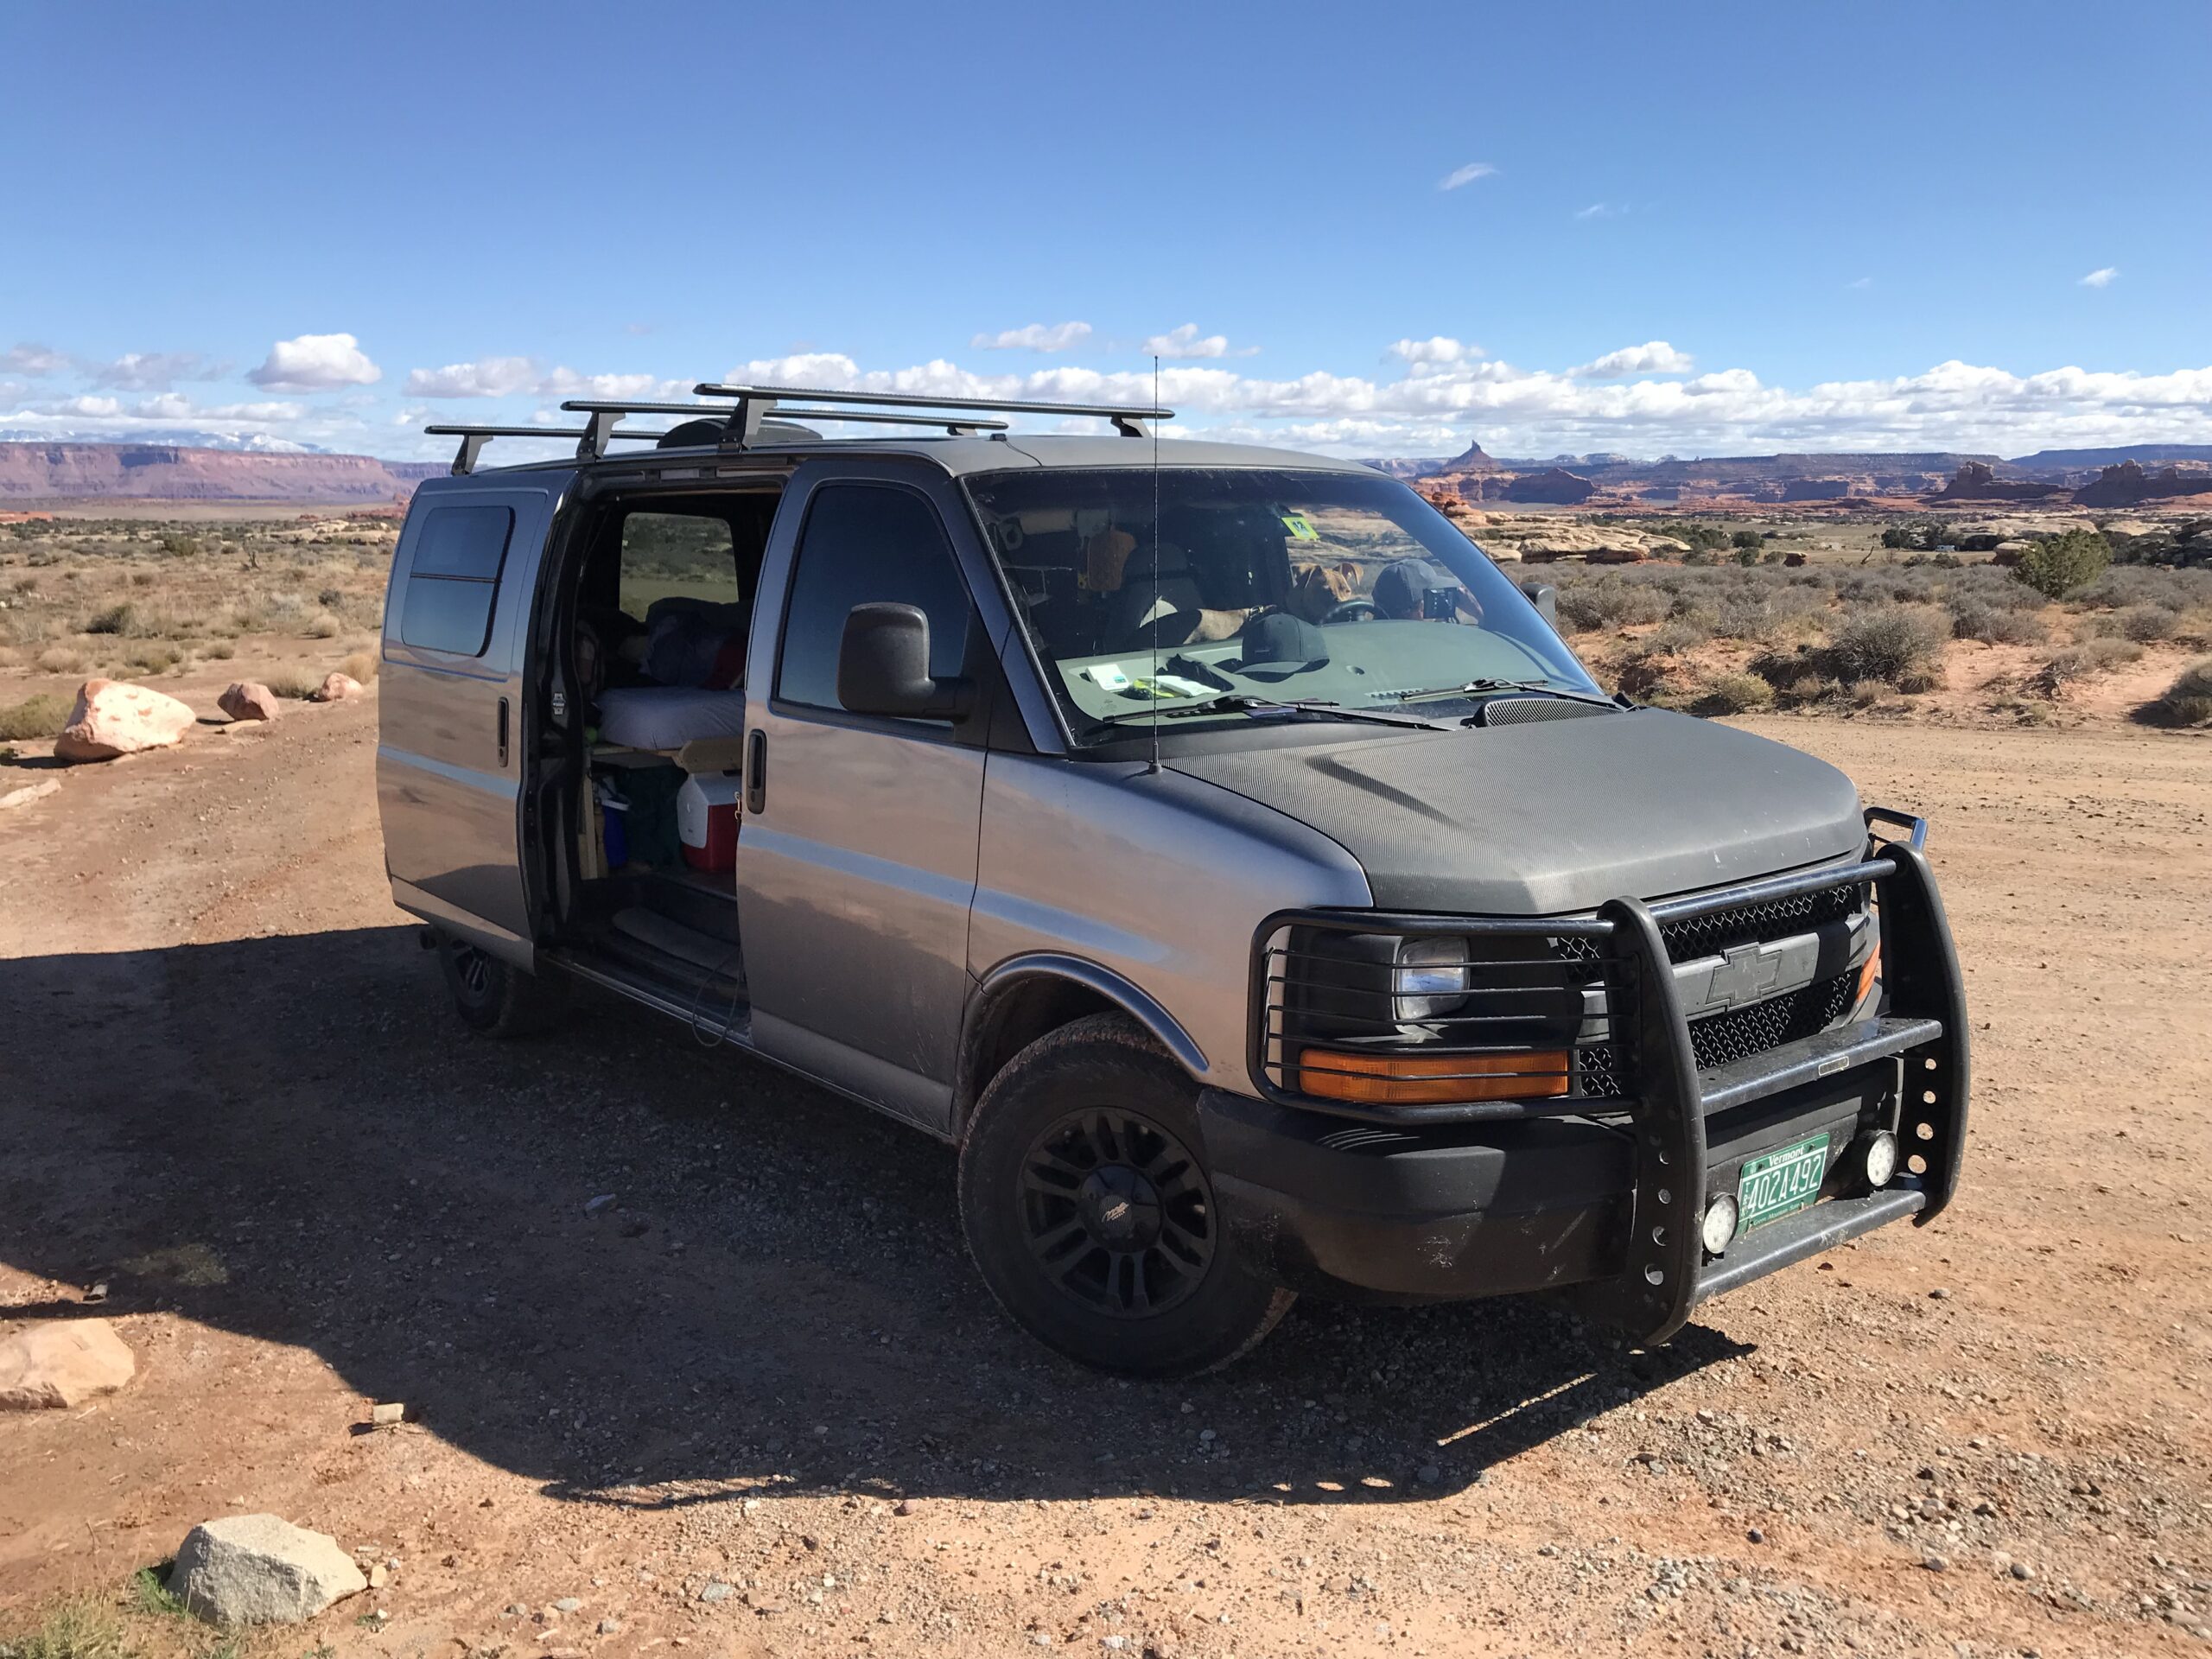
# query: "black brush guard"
[[1666, 1274]]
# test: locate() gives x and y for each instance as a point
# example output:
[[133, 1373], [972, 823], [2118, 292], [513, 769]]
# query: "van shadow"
[[643, 1272]]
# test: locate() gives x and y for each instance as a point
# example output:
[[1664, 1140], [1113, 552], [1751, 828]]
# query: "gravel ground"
[[693, 1357]]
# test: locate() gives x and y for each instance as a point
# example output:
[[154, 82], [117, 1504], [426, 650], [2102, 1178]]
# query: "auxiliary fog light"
[[1720, 1228], [1880, 1158]]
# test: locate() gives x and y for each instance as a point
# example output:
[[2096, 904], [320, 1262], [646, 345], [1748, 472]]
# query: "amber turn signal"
[[1869, 973], [1431, 1079]]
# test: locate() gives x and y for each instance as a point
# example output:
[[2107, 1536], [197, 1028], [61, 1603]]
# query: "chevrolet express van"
[[1211, 842]]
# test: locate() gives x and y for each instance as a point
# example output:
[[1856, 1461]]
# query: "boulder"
[[61, 1365], [113, 717], [1617, 553], [250, 700], [261, 1569], [1793, 560], [335, 688]]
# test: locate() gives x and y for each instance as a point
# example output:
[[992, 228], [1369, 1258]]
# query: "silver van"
[[1212, 843]]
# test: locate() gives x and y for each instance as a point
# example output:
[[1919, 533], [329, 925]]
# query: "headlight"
[[1429, 979]]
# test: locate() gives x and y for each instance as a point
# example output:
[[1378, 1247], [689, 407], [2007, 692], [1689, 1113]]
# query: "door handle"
[[756, 770], [503, 731]]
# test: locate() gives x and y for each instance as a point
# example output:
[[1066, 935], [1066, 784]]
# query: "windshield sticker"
[[1300, 526]]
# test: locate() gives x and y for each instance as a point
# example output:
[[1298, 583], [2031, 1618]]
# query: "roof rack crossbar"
[[953, 423], [591, 441], [1128, 419]]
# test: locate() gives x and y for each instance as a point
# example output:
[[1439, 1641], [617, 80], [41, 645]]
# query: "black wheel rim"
[[472, 968], [1118, 1213]]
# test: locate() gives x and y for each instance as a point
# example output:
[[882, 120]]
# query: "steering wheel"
[[1352, 610]]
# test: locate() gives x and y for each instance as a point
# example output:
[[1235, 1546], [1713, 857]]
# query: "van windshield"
[[1329, 588]]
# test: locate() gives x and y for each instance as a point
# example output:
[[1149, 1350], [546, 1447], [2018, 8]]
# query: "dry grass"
[[361, 666], [2188, 700], [117, 597], [43, 716]]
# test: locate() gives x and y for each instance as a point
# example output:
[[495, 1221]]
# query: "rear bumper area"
[[1511, 1199]]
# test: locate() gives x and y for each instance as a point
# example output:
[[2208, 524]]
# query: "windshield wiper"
[[1244, 703], [1483, 687]]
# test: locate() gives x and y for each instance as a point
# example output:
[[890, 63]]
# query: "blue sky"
[[1669, 230]]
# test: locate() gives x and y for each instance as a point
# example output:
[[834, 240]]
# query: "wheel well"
[[1014, 1019]]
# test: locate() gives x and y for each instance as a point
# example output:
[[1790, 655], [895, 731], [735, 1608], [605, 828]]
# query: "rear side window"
[[455, 579], [867, 545]]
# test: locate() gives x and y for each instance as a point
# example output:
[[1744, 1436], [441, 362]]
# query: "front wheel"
[[1088, 1208]]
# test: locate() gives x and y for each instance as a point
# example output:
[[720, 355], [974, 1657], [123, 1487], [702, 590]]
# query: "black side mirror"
[[1545, 598], [883, 667]]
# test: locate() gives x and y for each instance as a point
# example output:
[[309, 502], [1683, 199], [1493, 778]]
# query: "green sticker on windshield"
[[1296, 523]]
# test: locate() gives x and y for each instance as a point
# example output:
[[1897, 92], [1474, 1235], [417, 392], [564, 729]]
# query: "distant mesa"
[[146, 472], [1977, 481], [2125, 484], [1554, 485]]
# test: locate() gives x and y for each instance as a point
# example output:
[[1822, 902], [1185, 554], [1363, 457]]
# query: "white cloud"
[[1861, 282], [27, 359], [1600, 210], [1467, 174], [2102, 277], [488, 376], [1187, 341], [1437, 348], [316, 363], [1653, 357], [155, 371], [1034, 337]]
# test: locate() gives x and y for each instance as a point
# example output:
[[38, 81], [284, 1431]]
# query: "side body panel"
[[856, 869], [448, 790], [1156, 877]]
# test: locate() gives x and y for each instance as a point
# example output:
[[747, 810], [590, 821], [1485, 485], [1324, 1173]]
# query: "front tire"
[[1090, 1212], [494, 998]]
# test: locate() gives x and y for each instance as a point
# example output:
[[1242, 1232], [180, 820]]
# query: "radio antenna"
[[1154, 767]]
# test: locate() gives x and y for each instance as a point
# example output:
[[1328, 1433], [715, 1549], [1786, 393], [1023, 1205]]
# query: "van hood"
[[1553, 816]]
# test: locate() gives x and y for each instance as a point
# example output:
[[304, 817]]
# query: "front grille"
[[1741, 1033], [1772, 918]]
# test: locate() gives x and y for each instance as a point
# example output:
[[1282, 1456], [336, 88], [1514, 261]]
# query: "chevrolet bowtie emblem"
[[1745, 974]]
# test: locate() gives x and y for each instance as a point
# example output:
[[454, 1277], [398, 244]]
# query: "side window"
[[667, 555], [454, 578], [867, 545]]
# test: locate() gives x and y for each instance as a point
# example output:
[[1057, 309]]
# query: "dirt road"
[[758, 1401]]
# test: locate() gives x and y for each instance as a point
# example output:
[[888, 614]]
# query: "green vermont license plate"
[[1781, 1182]]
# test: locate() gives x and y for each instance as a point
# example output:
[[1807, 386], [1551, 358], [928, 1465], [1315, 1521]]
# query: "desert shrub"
[[2147, 624], [2084, 661], [331, 598], [361, 666], [115, 619], [61, 659], [152, 656], [2188, 700], [1865, 693], [222, 650], [142, 578], [2057, 566], [1672, 639], [1883, 645], [1607, 602], [1914, 681], [1735, 694], [1745, 616], [1976, 618], [1811, 688], [177, 544], [323, 625], [43, 716], [291, 681]]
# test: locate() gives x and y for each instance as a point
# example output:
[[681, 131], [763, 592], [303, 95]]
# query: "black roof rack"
[[1128, 420], [590, 442], [742, 420]]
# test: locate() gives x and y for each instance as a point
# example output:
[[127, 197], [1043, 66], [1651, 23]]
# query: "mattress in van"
[[667, 716]]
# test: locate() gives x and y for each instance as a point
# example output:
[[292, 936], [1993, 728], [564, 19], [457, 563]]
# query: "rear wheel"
[[494, 997], [1088, 1204]]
